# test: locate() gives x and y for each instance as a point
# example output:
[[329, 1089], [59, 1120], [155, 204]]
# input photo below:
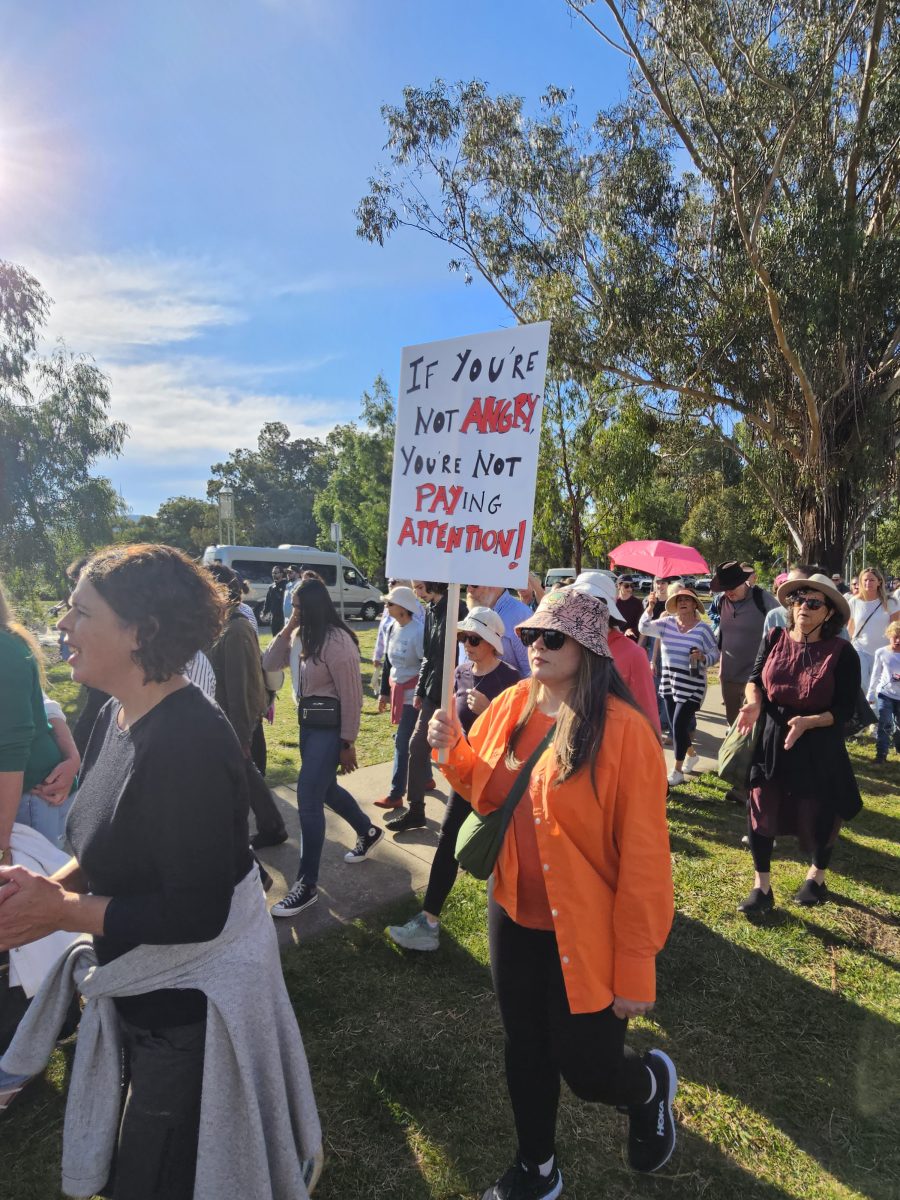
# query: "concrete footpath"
[[399, 865]]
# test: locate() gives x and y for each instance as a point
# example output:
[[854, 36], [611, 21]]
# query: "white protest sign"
[[465, 457]]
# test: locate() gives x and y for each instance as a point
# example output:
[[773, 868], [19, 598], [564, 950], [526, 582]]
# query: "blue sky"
[[181, 176]]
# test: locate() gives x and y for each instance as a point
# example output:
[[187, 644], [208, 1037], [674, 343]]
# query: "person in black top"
[[273, 606], [160, 835]]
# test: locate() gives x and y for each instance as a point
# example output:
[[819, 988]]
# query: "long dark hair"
[[318, 617], [582, 716]]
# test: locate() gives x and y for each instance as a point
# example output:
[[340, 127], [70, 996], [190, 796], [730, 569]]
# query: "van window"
[[352, 578], [328, 572], [254, 571]]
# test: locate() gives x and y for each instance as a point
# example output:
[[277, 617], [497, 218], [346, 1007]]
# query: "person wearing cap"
[[631, 661], [404, 646], [688, 648], [510, 610], [384, 625], [742, 612], [803, 687], [477, 681], [582, 898]]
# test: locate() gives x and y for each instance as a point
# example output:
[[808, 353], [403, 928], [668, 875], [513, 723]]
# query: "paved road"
[[399, 865]]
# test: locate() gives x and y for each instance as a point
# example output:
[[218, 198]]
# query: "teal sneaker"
[[416, 934]]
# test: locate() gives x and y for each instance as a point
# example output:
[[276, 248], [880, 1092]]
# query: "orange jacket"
[[607, 865]]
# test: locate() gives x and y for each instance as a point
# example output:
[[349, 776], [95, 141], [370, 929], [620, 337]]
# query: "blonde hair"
[[882, 593], [893, 627], [11, 625]]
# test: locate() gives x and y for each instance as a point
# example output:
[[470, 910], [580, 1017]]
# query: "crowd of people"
[[157, 914]]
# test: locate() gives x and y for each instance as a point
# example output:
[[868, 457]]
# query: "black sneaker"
[[260, 841], [364, 844], [811, 894], [299, 897], [651, 1126], [413, 819], [757, 902], [522, 1182]]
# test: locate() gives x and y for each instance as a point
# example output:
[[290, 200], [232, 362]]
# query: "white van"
[[255, 563], [556, 575]]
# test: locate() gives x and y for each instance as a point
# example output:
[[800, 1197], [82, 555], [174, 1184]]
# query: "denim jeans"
[[48, 819], [401, 751], [888, 723], [317, 786]]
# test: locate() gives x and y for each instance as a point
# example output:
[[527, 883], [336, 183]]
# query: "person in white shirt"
[[870, 613], [884, 687]]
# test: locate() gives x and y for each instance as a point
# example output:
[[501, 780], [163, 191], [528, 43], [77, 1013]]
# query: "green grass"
[[784, 1033]]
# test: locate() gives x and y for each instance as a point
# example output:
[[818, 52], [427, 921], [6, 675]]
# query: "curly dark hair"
[[175, 605]]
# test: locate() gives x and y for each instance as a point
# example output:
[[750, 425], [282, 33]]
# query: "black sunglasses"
[[470, 639], [812, 604], [552, 638]]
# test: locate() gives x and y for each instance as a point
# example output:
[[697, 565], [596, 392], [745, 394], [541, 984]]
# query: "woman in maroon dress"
[[805, 685]]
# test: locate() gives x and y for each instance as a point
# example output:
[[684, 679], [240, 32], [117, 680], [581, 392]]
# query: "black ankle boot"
[[414, 819]]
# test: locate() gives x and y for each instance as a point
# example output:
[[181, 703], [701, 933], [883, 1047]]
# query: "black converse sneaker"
[[651, 1132], [299, 897], [525, 1182], [364, 844]]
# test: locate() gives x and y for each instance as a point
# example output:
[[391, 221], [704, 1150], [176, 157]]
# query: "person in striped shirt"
[[687, 647]]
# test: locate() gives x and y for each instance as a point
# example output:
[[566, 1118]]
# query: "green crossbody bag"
[[480, 837]]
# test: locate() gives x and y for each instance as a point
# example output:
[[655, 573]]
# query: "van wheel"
[[369, 611]]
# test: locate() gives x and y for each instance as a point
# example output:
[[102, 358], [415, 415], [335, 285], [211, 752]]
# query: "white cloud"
[[109, 306], [190, 411]]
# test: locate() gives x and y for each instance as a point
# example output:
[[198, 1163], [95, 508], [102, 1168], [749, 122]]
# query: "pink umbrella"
[[659, 558]]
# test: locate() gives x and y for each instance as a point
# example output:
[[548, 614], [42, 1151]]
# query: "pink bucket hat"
[[578, 615]]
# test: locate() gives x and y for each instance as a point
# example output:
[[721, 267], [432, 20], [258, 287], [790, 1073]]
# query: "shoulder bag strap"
[[859, 632], [517, 791]]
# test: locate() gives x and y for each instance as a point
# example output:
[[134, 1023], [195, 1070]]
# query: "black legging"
[[444, 866], [761, 849], [681, 715], [544, 1040]]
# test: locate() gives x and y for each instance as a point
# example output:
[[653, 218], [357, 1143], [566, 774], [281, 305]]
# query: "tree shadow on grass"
[[821, 1068]]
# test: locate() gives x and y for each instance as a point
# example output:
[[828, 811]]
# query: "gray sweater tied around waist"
[[258, 1117]]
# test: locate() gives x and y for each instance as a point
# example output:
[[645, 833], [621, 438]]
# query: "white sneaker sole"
[[350, 857], [275, 911], [673, 1088]]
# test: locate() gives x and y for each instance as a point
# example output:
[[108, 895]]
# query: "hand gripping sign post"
[[465, 463]]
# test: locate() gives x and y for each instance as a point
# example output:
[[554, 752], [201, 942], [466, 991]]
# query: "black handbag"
[[319, 712], [480, 837]]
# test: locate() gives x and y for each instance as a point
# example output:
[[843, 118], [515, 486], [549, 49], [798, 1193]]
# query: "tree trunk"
[[825, 523], [577, 547]]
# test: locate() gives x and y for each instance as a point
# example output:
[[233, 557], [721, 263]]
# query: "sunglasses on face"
[[626, 587], [811, 603], [552, 638], [470, 639]]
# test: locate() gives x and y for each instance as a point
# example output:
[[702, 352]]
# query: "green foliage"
[[358, 490], [184, 521], [54, 425], [760, 289], [274, 487]]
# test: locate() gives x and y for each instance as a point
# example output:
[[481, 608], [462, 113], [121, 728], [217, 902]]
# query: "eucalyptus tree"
[[725, 239]]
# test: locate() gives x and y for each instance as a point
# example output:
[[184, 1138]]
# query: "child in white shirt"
[[884, 687]]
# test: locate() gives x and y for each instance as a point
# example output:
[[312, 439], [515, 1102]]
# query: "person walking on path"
[[582, 898], [884, 690], [403, 649], [481, 678], [428, 695], [241, 694], [630, 606], [331, 696], [870, 613], [688, 650], [273, 606], [804, 685]]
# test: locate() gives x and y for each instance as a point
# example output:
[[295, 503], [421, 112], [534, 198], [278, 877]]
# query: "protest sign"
[[465, 457]]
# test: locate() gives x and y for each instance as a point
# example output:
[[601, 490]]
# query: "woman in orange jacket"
[[581, 901]]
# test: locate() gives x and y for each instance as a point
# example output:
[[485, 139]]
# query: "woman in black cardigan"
[[804, 684]]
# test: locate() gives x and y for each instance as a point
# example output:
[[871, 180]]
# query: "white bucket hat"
[[602, 586], [404, 596], [484, 623]]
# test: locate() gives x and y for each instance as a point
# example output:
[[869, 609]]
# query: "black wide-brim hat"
[[729, 575]]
